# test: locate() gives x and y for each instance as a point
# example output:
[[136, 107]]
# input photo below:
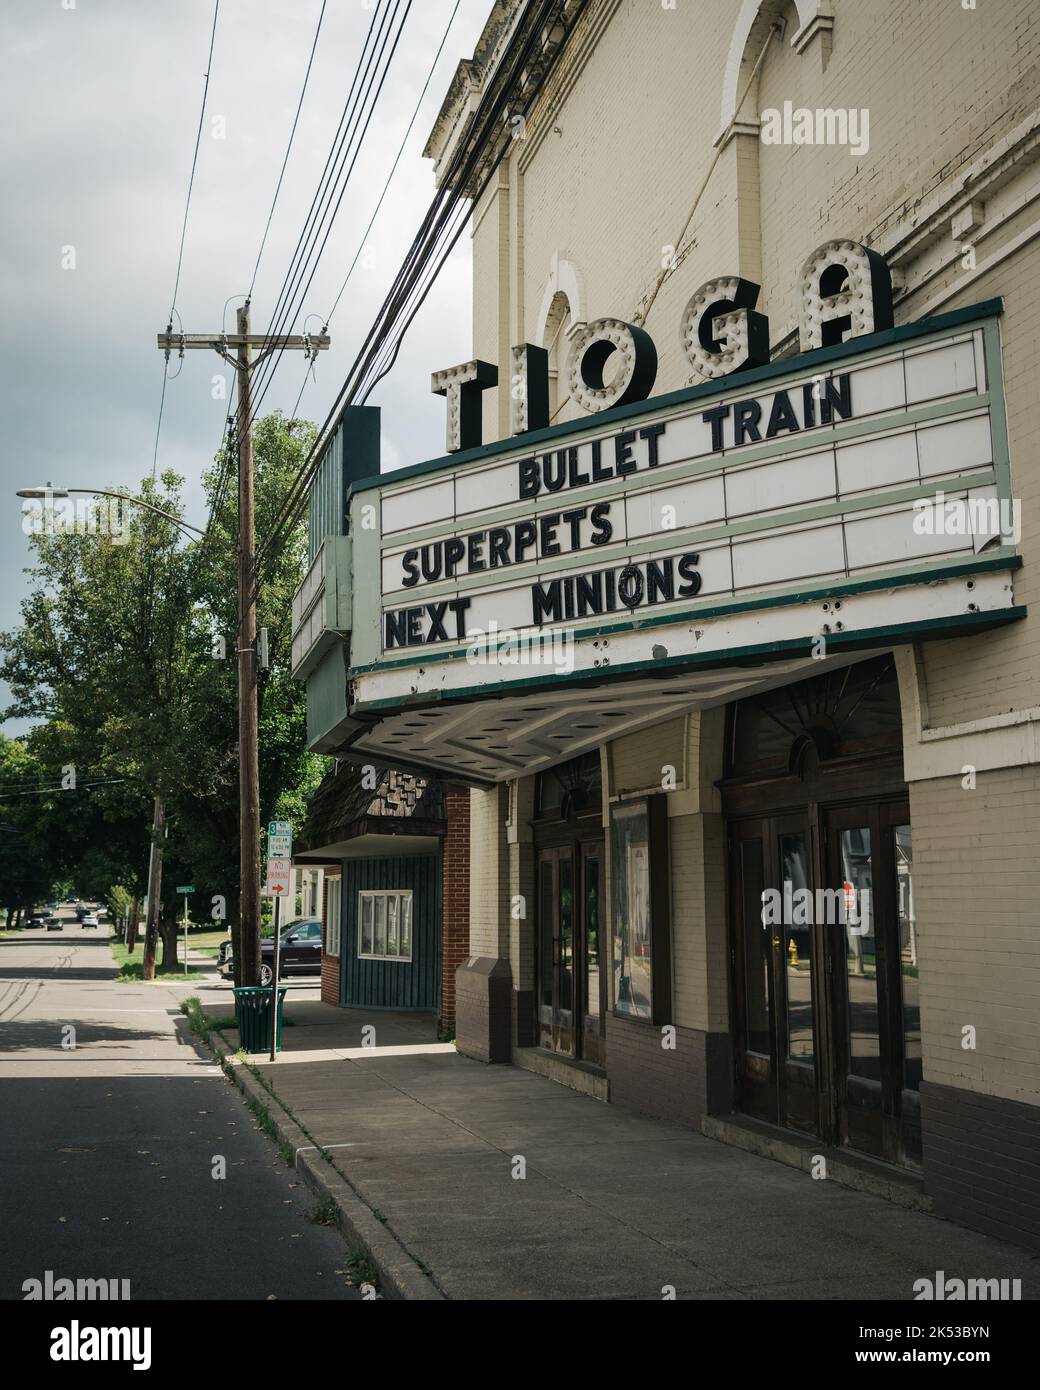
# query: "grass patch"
[[288, 1156], [445, 1035], [198, 1021], [130, 969]]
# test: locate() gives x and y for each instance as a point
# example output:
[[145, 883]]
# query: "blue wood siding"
[[393, 984]]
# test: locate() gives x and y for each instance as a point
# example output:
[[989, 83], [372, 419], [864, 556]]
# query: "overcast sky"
[[100, 105]]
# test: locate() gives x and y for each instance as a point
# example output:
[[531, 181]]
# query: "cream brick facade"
[[628, 127]]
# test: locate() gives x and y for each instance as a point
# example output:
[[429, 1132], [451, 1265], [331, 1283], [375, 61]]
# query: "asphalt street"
[[110, 1148]]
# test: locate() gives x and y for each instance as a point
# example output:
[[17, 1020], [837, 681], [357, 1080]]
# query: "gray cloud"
[[100, 105]]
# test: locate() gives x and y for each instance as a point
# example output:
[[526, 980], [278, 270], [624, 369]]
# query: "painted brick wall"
[[977, 890], [980, 1158], [489, 874], [455, 902], [680, 1084]]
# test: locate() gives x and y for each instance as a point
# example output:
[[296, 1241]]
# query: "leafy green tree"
[[127, 651]]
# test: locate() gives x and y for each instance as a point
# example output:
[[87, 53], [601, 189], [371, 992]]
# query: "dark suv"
[[300, 952]]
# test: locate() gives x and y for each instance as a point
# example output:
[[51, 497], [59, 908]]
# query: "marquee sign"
[[855, 495], [715, 504]]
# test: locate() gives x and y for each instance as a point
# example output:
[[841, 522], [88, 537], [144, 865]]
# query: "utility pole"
[[237, 349], [155, 864]]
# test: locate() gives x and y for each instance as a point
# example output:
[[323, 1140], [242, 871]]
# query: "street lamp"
[[43, 494]]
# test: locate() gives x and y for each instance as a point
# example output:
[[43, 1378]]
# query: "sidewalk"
[[611, 1205]]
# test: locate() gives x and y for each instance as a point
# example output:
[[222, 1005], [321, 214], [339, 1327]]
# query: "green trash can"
[[253, 1016]]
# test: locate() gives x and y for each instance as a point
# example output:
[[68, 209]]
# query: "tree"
[[126, 651]]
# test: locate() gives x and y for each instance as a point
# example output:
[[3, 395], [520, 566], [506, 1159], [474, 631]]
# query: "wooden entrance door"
[[777, 975], [873, 975], [571, 974], [825, 1005]]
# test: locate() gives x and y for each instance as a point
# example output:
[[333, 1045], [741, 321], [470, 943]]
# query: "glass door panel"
[[906, 989], [564, 1023], [593, 981], [904, 863], [755, 1023], [863, 1017], [755, 935], [797, 947], [546, 945]]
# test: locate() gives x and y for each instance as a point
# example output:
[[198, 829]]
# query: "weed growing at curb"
[[263, 1118], [361, 1270], [288, 1156], [325, 1213]]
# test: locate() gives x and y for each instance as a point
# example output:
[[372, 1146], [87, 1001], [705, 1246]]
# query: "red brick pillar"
[[454, 898]]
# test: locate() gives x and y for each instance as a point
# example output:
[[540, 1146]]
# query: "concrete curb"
[[399, 1276]]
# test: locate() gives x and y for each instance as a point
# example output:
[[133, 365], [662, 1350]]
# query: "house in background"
[[394, 852]]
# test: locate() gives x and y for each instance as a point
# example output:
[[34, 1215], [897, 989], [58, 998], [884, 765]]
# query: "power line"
[[184, 231], [195, 158], [80, 786], [329, 175], [386, 186], [366, 89], [437, 235], [292, 134]]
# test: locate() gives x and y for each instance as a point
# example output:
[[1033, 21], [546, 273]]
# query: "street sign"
[[189, 889], [279, 840], [279, 873]]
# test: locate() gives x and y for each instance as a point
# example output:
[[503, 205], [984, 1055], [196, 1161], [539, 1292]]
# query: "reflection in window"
[[546, 917], [385, 925], [756, 949], [566, 933], [630, 877], [592, 962], [794, 875], [904, 858], [860, 955]]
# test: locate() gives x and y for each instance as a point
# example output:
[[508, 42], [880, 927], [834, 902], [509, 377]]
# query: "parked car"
[[300, 952], [89, 920]]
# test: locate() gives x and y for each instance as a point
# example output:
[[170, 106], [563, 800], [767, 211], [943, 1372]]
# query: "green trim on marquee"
[[688, 537], [369, 600], [678, 473], [1000, 560], [871, 345], [751, 656]]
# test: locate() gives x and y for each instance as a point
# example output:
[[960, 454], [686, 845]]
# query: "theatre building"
[[716, 593]]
